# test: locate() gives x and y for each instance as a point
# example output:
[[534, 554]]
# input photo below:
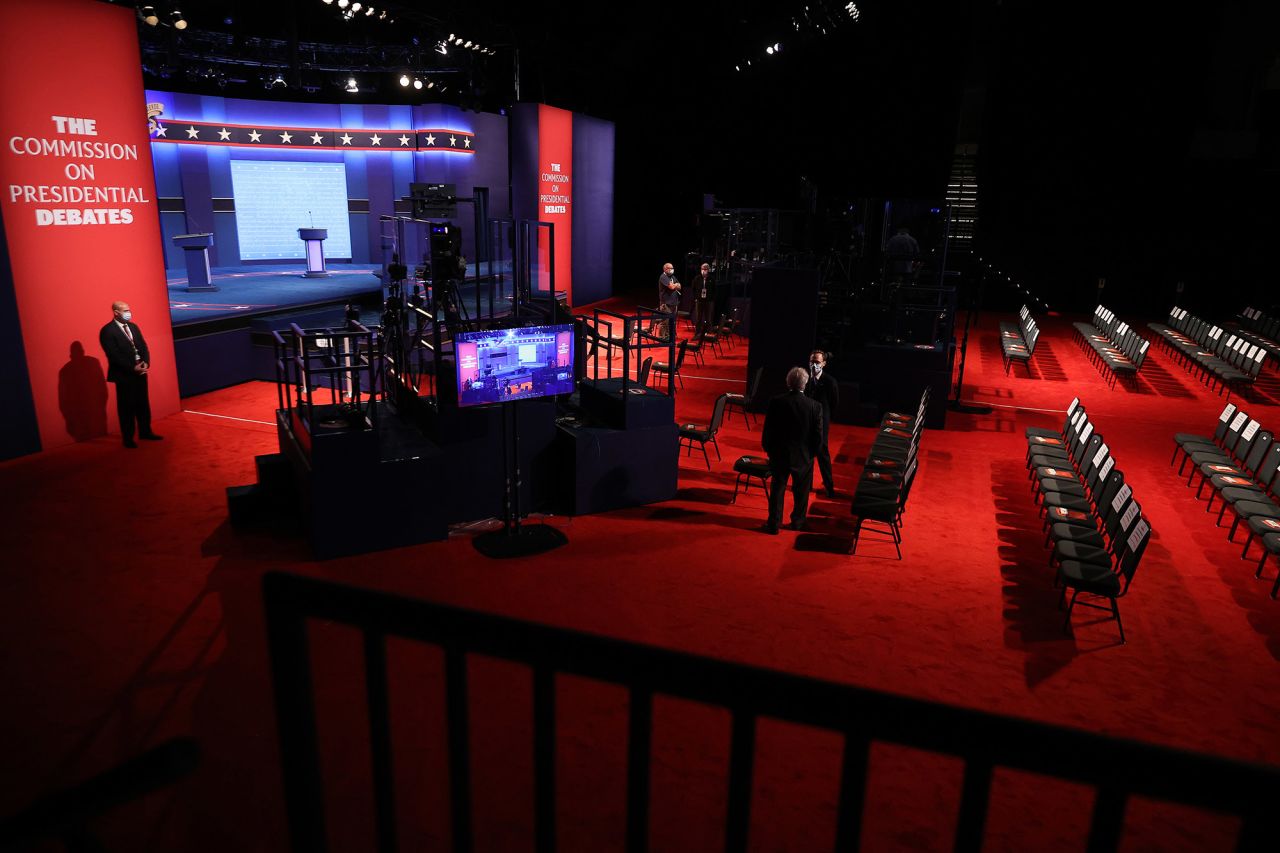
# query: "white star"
[[224, 134], [453, 141], [375, 140], [431, 140], [254, 136], [286, 137], [192, 133], [161, 130], [466, 142], [239, 307], [404, 140], [316, 139], [346, 139]]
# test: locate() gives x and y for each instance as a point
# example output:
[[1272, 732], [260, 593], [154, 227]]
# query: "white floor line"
[[1015, 408], [226, 417]]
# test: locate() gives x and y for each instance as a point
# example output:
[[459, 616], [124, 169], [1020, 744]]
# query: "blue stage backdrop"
[[379, 149]]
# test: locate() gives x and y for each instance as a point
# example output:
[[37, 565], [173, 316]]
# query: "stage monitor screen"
[[274, 199], [503, 365]]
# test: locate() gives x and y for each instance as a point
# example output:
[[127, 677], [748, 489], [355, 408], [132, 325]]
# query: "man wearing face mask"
[[824, 390], [128, 361], [668, 296]]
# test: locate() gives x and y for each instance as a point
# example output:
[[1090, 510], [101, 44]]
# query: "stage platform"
[[247, 291]]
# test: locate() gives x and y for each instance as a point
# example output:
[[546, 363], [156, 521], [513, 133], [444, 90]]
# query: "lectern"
[[196, 249], [314, 239]]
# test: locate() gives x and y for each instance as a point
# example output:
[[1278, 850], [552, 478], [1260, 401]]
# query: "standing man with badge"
[[668, 297], [825, 391], [128, 361], [704, 291]]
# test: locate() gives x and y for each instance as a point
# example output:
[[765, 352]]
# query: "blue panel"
[[171, 225], [360, 240], [220, 172], [226, 238], [213, 361], [593, 165], [165, 161]]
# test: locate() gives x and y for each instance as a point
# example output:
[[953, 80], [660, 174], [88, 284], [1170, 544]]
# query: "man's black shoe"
[[130, 443], [771, 529], [151, 436], [799, 525]]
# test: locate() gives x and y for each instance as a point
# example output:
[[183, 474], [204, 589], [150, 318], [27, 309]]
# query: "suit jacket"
[[792, 430], [119, 351], [824, 391]]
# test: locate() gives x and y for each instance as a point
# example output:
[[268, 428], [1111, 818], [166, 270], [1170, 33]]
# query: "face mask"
[[817, 368], [126, 316]]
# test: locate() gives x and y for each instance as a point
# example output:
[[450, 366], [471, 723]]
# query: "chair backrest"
[[684, 346], [1270, 465], [755, 384], [717, 413], [1257, 453], [1135, 544], [643, 378]]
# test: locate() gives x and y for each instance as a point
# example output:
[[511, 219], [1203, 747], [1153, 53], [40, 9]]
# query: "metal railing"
[[1118, 769]]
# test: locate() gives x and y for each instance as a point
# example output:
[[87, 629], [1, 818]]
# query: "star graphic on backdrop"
[[375, 140], [453, 141], [431, 140], [316, 139], [161, 130], [346, 139], [224, 134], [254, 136], [466, 142], [286, 137], [404, 140], [192, 133]]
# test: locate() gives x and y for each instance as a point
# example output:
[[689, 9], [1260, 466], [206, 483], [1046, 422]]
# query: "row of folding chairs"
[[887, 474], [1092, 522], [1114, 344], [1222, 360], [1238, 467], [1018, 340], [1261, 329]]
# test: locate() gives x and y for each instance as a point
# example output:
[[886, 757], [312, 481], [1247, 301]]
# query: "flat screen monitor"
[[503, 365], [275, 198]]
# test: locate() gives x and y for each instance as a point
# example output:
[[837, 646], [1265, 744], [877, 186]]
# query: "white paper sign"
[[1106, 468], [1139, 533], [1100, 455], [1250, 430], [1239, 421], [1226, 412], [1121, 497], [1127, 518]]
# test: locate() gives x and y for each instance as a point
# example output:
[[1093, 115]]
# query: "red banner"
[[555, 188], [79, 195]]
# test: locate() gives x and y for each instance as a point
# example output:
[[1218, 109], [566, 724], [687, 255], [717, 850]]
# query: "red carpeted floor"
[[132, 612]]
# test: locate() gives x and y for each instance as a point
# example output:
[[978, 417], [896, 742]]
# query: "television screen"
[[501, 365]]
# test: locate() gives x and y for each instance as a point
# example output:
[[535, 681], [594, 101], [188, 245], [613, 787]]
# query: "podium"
[[196, 251], [314, 239]]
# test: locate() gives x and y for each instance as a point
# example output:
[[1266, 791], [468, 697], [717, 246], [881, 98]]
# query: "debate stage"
[[250, 291]]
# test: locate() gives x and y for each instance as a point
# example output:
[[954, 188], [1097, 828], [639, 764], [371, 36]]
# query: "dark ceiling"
[[1111, 142]]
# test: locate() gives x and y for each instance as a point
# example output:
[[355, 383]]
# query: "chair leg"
[[734, 499], [705, 456], [1066, 625], [1115, 608], [897, 537], [716, 444], [853, 546]]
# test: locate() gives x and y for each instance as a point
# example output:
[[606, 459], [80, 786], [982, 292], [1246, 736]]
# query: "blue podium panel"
[[313, 239], [196, 252]]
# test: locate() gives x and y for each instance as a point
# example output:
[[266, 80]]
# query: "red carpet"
[[132, 612]]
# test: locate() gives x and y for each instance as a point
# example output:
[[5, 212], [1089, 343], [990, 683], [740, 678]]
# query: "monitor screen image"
[[503, 365]]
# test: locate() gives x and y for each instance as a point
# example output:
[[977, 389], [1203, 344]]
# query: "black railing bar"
[[458, 727], [1107, 822], [741, 766], [375, 667], [1013, 742], [544, 759], [853, 792], [975, 794], [639, 739]]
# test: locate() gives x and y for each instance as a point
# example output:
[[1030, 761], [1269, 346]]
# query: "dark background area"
[[1137, 144]]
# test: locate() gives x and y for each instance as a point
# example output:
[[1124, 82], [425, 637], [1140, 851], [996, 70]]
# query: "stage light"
[[149, 16], [737, 68], [368, 13], [404, 79], [352, 86], [468, 44], [342, 4], [777, 47], [328, 2], [382, 16], [440, 48], [769, 50], [451, 36], [179, 22], [431, 84], [356, 7], [417, 84], [475, 46]]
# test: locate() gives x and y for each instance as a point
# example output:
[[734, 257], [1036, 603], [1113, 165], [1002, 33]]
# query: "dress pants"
[[824, 459], [801, 480], [133, 406]]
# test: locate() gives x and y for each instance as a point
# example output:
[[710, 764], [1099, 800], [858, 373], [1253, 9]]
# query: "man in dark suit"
[[825, 391], [128, 361], [792, 431]]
